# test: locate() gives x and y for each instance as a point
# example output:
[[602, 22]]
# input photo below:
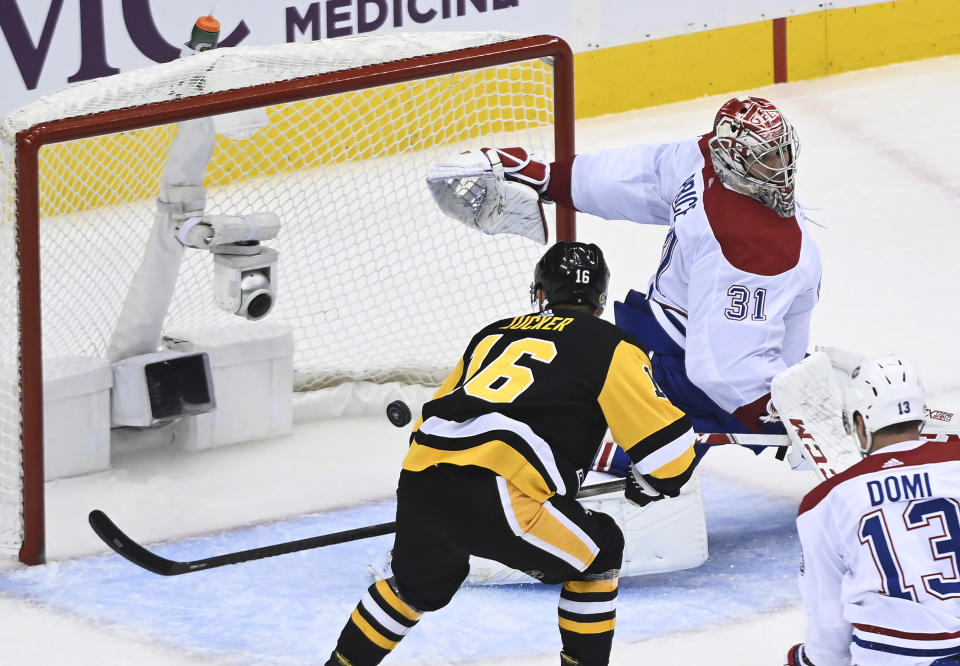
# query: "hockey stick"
[[114, 537], [744, 439], [118, 540], [932, 431], [123, 545]]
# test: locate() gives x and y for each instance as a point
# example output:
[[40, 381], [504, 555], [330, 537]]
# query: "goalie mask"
[[572, 273], [884, 391], [754, 151]]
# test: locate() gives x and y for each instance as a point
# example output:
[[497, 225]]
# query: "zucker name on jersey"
[[607, 365]]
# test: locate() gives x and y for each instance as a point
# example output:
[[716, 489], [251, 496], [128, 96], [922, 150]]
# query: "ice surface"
[[289, 609], [876, 170]]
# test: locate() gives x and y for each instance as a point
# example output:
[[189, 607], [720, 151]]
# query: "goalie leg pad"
[[668, 535]]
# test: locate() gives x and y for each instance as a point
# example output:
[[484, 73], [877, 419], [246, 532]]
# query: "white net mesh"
[[11, 528], [376, 284], [227, 69]]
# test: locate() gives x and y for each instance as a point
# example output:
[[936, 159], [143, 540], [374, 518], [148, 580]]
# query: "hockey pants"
[[447, 513]]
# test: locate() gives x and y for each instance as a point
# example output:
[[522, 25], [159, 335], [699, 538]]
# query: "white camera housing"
[[245, 279], [154, 388], [245, 272], [219, 233]]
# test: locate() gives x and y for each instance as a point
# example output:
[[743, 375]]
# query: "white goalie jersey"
[[741, 281], [881, 546]]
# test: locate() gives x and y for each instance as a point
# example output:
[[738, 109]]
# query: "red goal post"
[[79, 174]]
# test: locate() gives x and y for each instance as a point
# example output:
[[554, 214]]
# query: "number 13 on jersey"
[[942, 516]]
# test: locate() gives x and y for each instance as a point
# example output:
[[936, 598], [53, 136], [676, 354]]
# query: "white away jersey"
[[880, 570], [741, 280]]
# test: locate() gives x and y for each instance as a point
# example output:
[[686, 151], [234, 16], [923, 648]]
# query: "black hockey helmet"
[[572, 273]]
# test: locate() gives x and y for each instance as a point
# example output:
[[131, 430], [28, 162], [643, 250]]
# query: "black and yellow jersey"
[[532, 397]]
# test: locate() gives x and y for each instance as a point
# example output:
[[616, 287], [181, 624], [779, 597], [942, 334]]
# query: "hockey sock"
[[377, 625], [587, 616]]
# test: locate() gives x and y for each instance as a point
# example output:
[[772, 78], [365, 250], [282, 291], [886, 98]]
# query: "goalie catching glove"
[[639, 489], [494, 190]]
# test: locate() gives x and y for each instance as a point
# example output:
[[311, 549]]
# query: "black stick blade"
[[123, 545], [114, 537]]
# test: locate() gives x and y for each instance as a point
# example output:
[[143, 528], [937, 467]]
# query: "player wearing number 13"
[[880, 573], [498, 456]]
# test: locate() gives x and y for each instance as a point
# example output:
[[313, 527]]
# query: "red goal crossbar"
[[29, 142]]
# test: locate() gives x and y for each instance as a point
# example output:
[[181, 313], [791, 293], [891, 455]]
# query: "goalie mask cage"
[[376, 284]]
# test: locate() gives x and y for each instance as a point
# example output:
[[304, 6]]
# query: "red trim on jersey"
[[606, 456], [559, 188], [752, 237], [931, 452], [896, 633]]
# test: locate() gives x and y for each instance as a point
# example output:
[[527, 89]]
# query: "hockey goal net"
[[376, 284]]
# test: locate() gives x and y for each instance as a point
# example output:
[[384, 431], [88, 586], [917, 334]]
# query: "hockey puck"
[[398, 413]]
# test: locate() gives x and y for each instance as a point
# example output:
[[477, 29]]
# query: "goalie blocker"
[[809, 397]]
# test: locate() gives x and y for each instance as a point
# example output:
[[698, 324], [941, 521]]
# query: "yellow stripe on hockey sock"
[[396, 602], [588, 627], [586, 586], [372, 634]]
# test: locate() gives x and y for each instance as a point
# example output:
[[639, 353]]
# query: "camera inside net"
[[245, 278], [245, 272]]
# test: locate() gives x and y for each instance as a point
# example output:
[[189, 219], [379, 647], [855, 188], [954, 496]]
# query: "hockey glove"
[[757, 413], [521, 166], [476, 189], [797, 657], [639, 489]]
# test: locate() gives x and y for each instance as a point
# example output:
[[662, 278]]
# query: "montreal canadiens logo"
[[767, 122]]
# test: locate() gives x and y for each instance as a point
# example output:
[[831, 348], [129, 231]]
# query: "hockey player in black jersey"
[[498, 456]]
